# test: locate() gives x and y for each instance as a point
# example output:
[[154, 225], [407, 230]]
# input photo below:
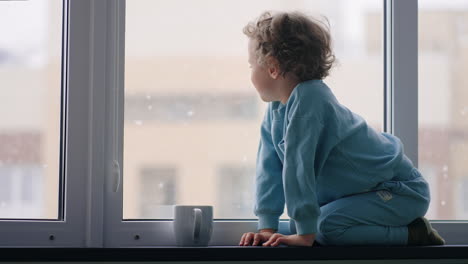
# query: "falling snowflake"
[[138, 122], [464, 111], [445, 168]]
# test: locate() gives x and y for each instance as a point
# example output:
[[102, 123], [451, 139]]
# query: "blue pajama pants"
[[377, 217]]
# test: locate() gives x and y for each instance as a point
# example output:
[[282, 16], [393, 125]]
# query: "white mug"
[[193, 225]]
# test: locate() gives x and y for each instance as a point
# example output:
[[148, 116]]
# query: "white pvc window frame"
[[69, 229], [94, 85]]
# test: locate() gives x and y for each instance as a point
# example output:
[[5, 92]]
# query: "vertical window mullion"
[[401, 73], [81, 112], [114, 111], [99, 101], [387, 67]]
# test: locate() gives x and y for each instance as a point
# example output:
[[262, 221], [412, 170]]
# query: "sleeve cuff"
[[268, 221], [308, 226]]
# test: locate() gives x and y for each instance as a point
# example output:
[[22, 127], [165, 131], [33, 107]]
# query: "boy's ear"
[[273, 68]]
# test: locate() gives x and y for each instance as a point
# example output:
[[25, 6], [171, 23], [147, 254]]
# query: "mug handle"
[[197, 212]]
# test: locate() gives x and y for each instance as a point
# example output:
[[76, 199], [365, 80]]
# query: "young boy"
[[343, 182]]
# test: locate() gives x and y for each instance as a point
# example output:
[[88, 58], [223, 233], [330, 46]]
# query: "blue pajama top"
[[312, 151]]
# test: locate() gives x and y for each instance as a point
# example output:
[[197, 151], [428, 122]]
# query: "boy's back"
[[350, 156]]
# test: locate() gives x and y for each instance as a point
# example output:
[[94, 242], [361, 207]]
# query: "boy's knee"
[[331, 228], [331, 236]]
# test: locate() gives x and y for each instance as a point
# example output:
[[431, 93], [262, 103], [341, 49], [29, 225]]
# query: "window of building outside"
[[30, 81], [443, 105], [190, 105], [157, 190], [237, 192]]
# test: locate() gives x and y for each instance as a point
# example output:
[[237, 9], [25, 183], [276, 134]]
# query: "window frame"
[[67, 231], [94, 78]]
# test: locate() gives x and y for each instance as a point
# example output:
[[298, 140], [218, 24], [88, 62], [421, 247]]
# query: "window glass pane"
[[30, 87], [190, 105], [443, 105]]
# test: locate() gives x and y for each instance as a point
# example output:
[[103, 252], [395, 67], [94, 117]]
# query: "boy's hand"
[[256, 238], [291, 240], [269, 238]]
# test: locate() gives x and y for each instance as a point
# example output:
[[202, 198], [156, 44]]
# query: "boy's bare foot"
[[421, 233]]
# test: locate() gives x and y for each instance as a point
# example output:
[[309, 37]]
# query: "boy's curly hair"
[[302, 45]]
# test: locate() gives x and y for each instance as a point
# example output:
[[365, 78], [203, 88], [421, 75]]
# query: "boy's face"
[[262, 77]]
